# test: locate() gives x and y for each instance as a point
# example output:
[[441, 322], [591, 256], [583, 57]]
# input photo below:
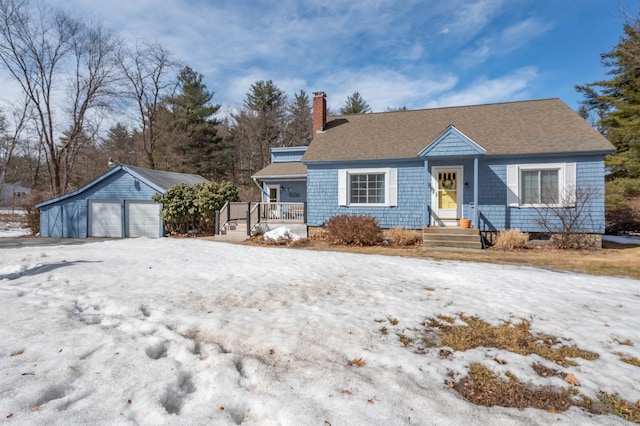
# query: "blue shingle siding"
[[293, 192], [492, 197], [451, 143], [286, 155], [322, 196], [290, 191], [414, 196]]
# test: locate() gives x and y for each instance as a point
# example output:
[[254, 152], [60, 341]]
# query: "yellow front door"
[[448, 191], [447, 195]]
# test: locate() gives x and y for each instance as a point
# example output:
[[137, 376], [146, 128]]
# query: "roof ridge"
[[444, 107]]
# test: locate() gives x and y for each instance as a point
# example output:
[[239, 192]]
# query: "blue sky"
[[409, 53]]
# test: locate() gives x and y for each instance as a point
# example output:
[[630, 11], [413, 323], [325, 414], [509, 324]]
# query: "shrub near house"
[[188, 208]]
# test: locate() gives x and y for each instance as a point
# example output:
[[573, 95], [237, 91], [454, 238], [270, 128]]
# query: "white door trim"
[[269, 188], [435, 170]]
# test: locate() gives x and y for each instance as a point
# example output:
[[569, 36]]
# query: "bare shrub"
[[569, 217], [511, 239], [404, 237], [358, 230]]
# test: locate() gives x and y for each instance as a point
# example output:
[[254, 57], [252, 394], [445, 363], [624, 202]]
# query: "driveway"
[[18, 242]]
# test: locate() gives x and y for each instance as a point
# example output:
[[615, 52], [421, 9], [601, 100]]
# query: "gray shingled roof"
[[525, 127], [288, 169], [166, 180]]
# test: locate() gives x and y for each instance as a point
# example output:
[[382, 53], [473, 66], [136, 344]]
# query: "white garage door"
[[143, 219], [105, 218]]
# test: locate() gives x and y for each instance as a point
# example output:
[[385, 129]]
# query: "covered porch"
[[251, 218]]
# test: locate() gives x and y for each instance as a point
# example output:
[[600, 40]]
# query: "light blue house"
[[285, 179], [14, 194], [117, 204], [503, 166]]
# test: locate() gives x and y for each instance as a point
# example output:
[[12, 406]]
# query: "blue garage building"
[[118, 204]]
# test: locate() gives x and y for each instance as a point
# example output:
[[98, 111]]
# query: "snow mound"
[[281, 233]]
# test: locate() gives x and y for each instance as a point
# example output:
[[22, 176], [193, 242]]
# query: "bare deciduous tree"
[[148, 70], [11, 135], [42, 50]]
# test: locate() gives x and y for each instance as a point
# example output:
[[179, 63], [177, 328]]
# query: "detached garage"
[[117, 204]]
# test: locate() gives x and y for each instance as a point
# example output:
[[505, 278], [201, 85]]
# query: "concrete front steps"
[[452, 237]]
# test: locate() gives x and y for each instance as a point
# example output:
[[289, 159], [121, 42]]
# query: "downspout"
[[260, 188]]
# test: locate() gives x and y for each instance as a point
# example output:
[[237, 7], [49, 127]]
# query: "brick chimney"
[[319, 112]]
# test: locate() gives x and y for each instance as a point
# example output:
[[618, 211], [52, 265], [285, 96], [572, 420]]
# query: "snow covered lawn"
[[197, 332]]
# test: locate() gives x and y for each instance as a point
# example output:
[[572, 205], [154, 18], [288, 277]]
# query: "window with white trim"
[[541, 185], [368, 187]]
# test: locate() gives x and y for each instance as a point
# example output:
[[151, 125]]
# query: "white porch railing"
[[282, 212], [255, 213]]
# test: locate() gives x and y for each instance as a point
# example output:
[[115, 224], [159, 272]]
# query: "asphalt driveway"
[[18, 242]]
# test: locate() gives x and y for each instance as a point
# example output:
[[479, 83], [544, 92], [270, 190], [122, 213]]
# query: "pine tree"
[[355, 104], [257, 126], [299, 121], [119, 145], [195, 127], [616, 105]]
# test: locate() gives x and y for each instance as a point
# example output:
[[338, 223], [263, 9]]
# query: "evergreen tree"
[[119, 145], [195, 128], [355, 104], [256, 127], [299, 121], [615, 103]]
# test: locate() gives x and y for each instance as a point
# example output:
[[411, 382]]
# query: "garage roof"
[[157, 179]]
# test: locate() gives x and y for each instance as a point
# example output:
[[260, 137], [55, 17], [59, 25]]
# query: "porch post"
[[304, 212], [475, 192], [249, 218], [426, 220]]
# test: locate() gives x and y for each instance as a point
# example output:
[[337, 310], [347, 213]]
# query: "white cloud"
[[384, 88], [510, 39], [514, 86], [389, 51], [469, 18]]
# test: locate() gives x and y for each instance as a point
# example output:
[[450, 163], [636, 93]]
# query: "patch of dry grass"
[[620, 407], [483, 387], [629, 359], [511, 239], [613, 260], [516, 338], [404, 237]]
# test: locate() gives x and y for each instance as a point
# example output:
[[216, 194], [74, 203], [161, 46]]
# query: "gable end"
[[452, 142]]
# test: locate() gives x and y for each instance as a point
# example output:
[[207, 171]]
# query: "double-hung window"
[[368, 187], [544, 185], [539, 186]]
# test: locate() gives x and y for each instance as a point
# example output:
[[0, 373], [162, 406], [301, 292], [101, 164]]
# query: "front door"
[[446, 201], [273, 208], [273, 194]]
